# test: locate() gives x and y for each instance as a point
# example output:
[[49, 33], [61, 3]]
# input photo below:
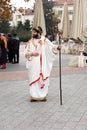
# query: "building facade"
[[18, 16], [58, 8], [29, 14]]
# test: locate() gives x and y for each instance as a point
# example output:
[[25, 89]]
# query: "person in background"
[[3, 55], [10, 48], [40, 54], [16, 45]]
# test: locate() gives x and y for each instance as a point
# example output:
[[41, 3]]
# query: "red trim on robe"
[[37, 80], [41, 74], [42, 86]]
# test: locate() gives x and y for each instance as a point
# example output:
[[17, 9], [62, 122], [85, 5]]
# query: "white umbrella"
[[65, 22], [79, 23], [39, 19]]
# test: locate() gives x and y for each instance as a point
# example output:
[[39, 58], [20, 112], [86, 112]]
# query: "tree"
[[27, 25], [4, 26], [20, 26], [5, 9], [21, 10], [48, 12]]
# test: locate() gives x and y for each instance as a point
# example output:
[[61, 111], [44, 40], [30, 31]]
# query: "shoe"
[[32, 100], [3, 66], [44, 100]]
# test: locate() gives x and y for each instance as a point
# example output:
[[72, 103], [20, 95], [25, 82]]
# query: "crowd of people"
[[9, 49]]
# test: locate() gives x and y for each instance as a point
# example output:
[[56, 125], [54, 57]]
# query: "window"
[[70, 12], [60, 12], [19, 16]]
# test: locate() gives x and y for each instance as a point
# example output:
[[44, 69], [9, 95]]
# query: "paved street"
[[18, 113]]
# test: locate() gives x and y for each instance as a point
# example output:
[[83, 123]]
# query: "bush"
[[25, 38]]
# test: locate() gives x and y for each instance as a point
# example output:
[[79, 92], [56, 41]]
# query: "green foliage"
[[20, 26], [27, 25], [22, 34], [4, 26], [23, 31], [25, 38], [23, 28], [48, 5]]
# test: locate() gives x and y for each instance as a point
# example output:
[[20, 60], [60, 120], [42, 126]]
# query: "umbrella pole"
[[60, 71]]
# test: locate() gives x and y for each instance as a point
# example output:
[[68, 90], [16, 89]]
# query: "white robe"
[[39, 67]]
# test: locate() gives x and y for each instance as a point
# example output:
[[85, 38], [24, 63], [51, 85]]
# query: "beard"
[[35, 36]]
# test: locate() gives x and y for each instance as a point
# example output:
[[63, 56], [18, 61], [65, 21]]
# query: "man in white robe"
[[40, 54]]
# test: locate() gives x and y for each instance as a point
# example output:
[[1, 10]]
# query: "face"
[[35, 34]]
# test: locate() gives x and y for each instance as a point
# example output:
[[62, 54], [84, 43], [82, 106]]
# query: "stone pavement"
[[18, 113]]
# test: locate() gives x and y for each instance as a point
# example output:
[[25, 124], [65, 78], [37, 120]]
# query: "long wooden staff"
[[60, 32]]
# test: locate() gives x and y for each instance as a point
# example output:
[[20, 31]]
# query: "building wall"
[[59, 4], [17, 16]]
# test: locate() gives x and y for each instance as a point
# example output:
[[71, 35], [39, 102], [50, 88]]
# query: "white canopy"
[[79, 23], [39, 19]]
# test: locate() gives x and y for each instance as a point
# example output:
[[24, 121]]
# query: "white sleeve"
[[49, 42]]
